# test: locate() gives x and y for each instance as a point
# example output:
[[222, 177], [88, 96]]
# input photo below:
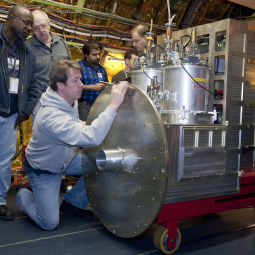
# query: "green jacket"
[[28, 93]]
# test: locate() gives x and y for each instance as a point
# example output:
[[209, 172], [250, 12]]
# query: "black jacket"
[[28, 93]]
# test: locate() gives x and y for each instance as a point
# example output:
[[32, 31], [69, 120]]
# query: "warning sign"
[[200, 79]]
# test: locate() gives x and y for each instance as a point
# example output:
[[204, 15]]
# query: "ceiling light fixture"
[[116, 60]]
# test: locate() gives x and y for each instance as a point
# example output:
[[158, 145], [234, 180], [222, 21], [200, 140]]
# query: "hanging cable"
[[197, 82], [159, 46], [187, 43], [246, 150], [150, 77]]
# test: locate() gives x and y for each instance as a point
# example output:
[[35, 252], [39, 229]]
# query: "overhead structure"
[[247, 3], [111, 21]]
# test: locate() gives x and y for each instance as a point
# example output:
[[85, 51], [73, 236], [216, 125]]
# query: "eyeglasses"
[[38, 28], [26, 22]]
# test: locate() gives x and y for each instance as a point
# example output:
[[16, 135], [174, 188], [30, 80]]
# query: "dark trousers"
[[83, 111]]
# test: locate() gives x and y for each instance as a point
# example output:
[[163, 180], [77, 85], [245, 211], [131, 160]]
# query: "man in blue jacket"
[[18, 91], [92, 76]]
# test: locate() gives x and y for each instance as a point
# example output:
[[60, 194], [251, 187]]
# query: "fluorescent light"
[[116, 60], [113, 50]]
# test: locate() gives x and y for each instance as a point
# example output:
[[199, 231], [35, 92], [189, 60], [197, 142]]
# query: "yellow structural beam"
[[79, 6]]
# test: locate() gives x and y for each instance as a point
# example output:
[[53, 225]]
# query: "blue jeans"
[[42, 206], [8, 138]]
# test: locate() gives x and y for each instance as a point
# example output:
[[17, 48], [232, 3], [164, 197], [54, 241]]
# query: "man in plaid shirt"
[[92, 74]]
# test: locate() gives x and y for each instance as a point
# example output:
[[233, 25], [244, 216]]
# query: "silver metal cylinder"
[[142, 78], [184, 92], [109, 159]]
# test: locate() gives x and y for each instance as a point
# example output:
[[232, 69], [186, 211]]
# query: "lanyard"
[[125, 73]]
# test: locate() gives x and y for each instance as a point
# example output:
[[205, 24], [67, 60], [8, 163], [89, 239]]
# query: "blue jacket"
[[28, 93], [90, 77]]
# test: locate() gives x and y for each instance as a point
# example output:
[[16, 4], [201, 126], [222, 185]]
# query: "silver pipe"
[[114, 7], [169, 20], [88, 34], [109, 159], [169, 13]]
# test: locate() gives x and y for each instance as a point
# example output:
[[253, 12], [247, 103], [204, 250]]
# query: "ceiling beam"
[[247, 3], [96, 13], [79, 6], [230, 11]]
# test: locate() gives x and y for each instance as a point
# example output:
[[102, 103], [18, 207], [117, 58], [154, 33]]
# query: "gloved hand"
[[20, 119]]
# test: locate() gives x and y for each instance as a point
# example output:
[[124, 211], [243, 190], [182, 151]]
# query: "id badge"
[[11, 64], [100, 75], [14, 86]]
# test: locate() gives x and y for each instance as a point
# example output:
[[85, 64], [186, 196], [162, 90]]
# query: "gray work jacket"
[[45, 58]]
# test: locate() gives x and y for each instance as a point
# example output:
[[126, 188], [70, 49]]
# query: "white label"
[[14, 86]]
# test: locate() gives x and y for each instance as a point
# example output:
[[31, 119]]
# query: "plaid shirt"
[[91, 76]]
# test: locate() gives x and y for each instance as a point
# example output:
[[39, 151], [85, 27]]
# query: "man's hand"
[[99, 86], [20, 119], [117, 95]]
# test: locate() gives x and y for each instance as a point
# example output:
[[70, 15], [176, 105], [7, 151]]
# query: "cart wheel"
[[160, 240]]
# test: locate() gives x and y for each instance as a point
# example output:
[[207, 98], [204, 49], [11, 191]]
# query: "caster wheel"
[[160, 240]]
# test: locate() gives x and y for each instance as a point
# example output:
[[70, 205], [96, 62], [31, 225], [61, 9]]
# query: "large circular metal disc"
[[127, 200]]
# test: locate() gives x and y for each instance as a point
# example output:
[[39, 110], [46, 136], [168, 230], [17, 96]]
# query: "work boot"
[[71, 209], [5, 213]]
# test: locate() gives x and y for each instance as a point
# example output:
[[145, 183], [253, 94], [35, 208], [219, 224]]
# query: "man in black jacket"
[[18, 91]]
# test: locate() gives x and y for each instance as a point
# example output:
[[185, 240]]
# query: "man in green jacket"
[[129, 57], [18, 91]]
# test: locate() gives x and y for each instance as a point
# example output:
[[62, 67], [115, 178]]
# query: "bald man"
[[139, 34], [18, 91], [47, 48]]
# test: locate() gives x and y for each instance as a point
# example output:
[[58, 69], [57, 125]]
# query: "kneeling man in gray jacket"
[[54, 148]]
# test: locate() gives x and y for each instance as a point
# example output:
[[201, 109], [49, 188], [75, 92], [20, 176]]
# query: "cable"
[[146, 74], [159, 46], [197, 82], [85, 40], [246, 150], [187, 43], [150, 77]]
